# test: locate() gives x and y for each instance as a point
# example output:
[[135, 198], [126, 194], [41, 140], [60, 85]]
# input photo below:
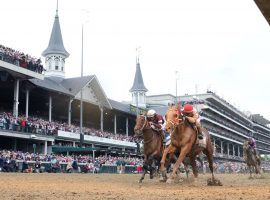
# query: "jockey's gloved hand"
[[152, 126]]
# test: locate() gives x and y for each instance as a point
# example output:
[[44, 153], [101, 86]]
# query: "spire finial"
[[56, 7], [138, 52]]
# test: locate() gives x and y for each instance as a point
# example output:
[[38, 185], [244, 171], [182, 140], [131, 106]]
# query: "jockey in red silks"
[[156, 121], [193, 117]]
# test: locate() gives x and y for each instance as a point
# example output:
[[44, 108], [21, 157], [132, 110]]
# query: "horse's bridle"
[[175, 123], [140, 131]]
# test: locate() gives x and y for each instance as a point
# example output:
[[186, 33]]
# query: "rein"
[[144, 124], [143, 128], [174, 123]]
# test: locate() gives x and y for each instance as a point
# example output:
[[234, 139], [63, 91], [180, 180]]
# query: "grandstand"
[[40, 110], [228, 126]]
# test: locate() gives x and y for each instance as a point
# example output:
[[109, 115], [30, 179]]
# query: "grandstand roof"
[[120, 106], [51, 85], [72, 86], [138, 84], [264, 6], [56, 45]]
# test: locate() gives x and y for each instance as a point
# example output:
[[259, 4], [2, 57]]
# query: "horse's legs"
[[250, 171], [151, 166], [180, 159], [163, 159], [163, 170], [145, 168], [186, 170], [194, 166], [209, 153], [144, 172], [257, 168]]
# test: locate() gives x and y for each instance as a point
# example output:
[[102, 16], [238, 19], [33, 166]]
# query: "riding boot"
[[199, 127], [162, 134]]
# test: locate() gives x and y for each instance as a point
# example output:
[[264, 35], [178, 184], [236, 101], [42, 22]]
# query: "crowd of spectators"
[[20, 59], [13, 161], [37, 125], [222, 166]]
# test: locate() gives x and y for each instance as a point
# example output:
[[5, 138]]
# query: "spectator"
[[20, 59]]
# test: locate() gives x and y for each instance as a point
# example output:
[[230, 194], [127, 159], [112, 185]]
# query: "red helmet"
[[188, 108]]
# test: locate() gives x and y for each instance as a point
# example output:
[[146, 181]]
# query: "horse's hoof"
[[140, 181], [214, 182], [169, 181], [162, 179], [151, 176]]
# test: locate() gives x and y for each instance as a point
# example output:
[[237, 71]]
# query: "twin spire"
[[56, 45], [138, 85], [56, 53]]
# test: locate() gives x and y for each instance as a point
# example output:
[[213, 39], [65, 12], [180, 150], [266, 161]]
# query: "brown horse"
[[153, 145], [183, 139], [250, 159]]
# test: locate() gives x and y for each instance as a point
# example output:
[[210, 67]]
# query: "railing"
[[35, 67], [61, 167]]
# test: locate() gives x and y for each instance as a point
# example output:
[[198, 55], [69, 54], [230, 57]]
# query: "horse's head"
[[173, 118], [141, 122]]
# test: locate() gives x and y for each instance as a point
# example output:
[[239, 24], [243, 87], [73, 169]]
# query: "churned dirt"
[[121, 186]]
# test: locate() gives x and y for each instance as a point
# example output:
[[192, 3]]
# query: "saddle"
[[159, 132], [194, 127]]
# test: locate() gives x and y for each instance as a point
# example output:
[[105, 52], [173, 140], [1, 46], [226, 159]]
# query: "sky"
[[218, 45]]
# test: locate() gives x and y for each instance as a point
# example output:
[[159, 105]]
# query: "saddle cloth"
[[168, 140]]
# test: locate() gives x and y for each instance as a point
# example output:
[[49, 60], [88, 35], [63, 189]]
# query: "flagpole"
[[81, 99]]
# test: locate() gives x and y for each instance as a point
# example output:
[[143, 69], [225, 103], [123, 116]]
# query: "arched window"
[[56, 63]]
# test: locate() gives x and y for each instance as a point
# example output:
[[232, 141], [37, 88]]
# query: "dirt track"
[[118, 186]]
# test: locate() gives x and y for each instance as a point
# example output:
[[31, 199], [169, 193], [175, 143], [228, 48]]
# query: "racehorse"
[[250, 159], [183, 139], [153, 145]]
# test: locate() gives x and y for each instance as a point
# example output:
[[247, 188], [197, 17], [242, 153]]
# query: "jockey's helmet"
[[151, 113], [188, 108]]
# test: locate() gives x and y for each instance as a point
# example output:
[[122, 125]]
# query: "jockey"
[[193, 117], [156, 121], [252, 144]]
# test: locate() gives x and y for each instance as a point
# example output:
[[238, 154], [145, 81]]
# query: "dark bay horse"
[[183, 139], [153, 145], [250, 159]]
